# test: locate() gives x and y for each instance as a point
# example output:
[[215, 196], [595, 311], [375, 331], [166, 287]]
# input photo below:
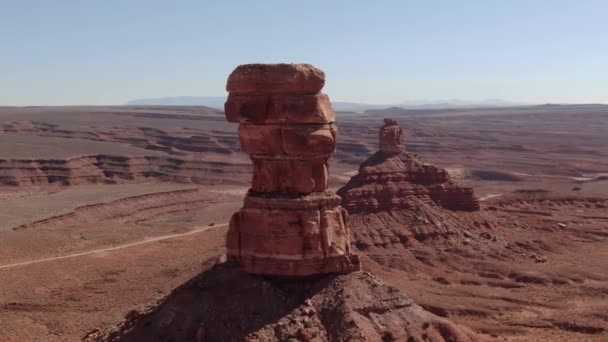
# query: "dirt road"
[[109, 249]]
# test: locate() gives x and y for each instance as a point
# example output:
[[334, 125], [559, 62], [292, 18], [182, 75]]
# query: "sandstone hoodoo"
[[290, 225], [391, 137], [394, 179]]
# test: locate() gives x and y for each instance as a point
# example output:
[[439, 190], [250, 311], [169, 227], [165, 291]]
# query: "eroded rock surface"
[[394, 179], [226, 304], [391, 137], [290, 225]]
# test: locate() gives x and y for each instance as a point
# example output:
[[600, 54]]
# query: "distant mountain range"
[[218, 102], [208, 101]]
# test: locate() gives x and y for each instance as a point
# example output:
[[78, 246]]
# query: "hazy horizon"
[[108, 53]]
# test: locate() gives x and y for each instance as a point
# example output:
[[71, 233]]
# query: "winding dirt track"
[[109, 249]]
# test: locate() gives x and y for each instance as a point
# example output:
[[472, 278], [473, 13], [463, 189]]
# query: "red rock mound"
[[394, 179], [227, 304]]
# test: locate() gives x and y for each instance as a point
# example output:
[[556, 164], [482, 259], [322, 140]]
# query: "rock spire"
[[290, 225], [391, 137]]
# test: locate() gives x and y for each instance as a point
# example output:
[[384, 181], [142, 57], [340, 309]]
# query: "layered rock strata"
[[113, 169], [394, 179], [290, 225], [391, 137]]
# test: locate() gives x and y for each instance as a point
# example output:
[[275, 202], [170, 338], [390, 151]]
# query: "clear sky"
[[55, 52]]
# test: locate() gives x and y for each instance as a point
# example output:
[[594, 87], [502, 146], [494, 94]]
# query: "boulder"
[[286, 108], [275, 79]]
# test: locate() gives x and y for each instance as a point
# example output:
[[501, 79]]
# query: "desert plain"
[[106, 209]]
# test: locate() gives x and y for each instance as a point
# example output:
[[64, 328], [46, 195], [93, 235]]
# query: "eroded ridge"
[[290, 225]]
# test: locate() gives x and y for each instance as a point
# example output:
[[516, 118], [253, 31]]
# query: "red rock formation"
[[391, 137], [289, 226], [394, 179], [224, 304]]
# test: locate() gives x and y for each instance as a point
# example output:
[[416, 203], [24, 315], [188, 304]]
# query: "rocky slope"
[[388, 181], [394, 179], [226, 304]]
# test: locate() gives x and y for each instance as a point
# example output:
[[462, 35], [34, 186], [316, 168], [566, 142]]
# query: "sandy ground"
[[61, 299]]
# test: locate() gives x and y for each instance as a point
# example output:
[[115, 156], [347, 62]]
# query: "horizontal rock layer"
[[118, 169], [389, 181], [291, 236], [289, 226], [302, 140], [276, 78], [286, 108], [290, 175], [454, 197]]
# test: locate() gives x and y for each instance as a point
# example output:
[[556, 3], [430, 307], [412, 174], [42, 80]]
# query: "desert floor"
[[106, 209]]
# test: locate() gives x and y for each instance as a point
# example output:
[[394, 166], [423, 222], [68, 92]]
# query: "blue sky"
[[111, 51]]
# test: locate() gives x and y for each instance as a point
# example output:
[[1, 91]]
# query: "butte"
[[396, 196]]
